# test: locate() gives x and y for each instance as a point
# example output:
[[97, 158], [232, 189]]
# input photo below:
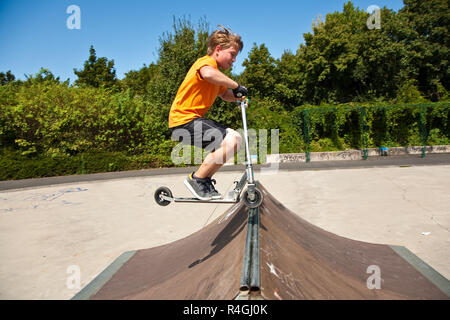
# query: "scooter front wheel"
[[256, 201], [163, 191]]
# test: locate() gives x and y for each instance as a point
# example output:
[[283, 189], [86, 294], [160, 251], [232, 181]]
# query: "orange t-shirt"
[[195, 95]]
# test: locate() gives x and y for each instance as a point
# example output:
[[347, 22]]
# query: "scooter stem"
[[244, 104]]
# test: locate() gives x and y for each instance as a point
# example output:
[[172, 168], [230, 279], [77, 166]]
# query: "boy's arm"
[[216, 77]]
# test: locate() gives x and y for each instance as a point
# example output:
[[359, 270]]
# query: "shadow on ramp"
[[204, 265]]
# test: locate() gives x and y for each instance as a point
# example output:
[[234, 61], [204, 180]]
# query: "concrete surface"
[[48, 232]]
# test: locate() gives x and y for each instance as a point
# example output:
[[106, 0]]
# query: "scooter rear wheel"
[[163, 191], [256, 202]]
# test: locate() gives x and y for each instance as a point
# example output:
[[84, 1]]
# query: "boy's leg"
[[202, 132], [215, 160]]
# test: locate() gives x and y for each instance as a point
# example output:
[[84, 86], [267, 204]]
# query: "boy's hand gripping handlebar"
[[240, 92]]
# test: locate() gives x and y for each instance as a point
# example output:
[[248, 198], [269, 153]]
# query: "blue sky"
[[34, 34]]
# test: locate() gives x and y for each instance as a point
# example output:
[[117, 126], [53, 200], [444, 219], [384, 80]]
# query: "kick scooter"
[[252, 196]]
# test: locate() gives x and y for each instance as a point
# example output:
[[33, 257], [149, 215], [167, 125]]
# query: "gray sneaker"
[[200, 188], [214, 193]]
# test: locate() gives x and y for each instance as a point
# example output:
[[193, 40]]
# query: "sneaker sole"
[[187, 184]]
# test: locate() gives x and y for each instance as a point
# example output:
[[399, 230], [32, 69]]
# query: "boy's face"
[[226, 57]]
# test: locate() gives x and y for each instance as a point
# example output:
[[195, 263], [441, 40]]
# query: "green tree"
[[177, 53], [138, 81], [382, 59], [428, 44], [329, 55], [43, 76], [6, 78], [342, 60], [97, 72], [287, 81], [260, 72]]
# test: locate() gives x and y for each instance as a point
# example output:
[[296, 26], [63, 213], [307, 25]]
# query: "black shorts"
[[200, 132]]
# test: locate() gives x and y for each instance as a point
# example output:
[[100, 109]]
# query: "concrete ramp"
[[204, 265], [290, 259], [301, 261]]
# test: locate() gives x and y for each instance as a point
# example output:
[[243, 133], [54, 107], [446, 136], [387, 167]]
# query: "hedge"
[[358, 127]]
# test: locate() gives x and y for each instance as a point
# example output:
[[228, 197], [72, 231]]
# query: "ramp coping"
[[95, 285], [426, 270]]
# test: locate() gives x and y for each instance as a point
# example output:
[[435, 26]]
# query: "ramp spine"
[[250, 276]]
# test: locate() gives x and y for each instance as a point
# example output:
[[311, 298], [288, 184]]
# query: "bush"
[[49, 128], [14, 165], [56, 120]]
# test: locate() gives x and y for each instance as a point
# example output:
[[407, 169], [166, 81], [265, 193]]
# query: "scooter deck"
[[205, 201]]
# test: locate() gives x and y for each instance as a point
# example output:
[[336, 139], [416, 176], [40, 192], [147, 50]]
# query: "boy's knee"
[[235, 138]]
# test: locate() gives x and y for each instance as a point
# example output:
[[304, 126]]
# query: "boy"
[[203, 83]]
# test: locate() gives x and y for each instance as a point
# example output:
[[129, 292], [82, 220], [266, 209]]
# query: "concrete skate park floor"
[[46, 231]]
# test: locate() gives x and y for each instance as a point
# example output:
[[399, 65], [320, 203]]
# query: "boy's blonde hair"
[[225, 38]]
